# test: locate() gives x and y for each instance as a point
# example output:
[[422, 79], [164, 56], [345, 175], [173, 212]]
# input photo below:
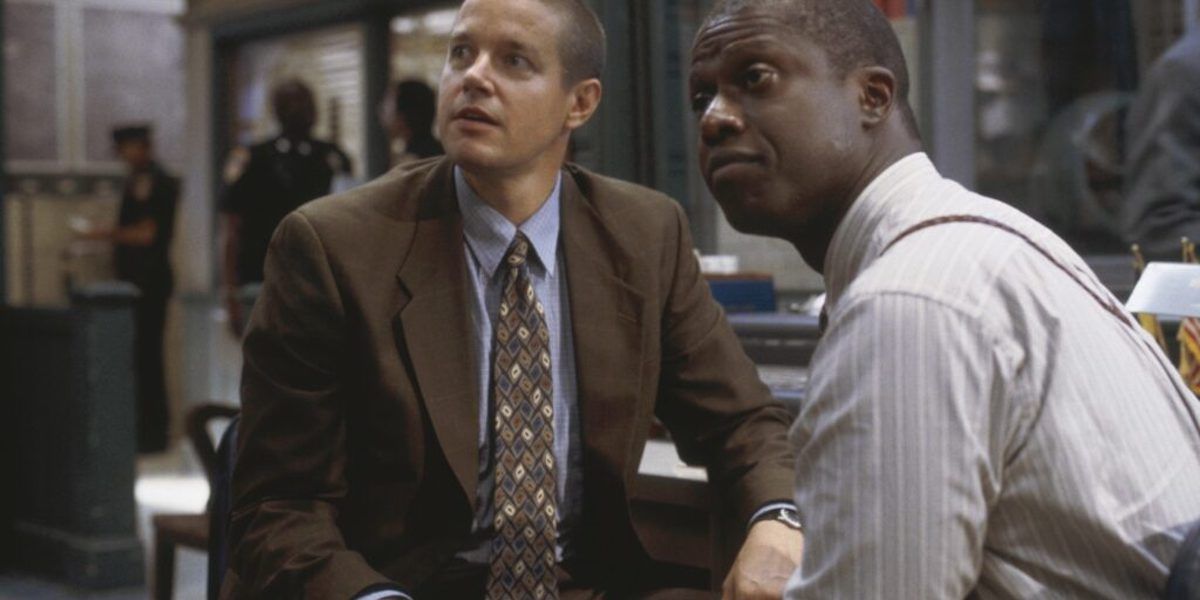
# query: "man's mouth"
[[718, 162], [477, 115]]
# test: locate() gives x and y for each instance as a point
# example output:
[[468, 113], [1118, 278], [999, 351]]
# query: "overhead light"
[[404, 25], [440, 21]]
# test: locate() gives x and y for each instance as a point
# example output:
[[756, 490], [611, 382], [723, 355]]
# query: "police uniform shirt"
[[149, 193], [268, 181]]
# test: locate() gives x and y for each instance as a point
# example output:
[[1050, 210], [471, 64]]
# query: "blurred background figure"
[[407, 114], [267, 181], [142, 240], [1162, 191]]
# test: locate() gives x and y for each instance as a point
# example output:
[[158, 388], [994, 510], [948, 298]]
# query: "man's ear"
[[877, 95], [585, 99]]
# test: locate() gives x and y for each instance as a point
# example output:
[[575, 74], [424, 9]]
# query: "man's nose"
[[478, 76], [721, 119]]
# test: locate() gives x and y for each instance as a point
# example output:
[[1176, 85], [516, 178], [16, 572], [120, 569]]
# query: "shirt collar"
[[874, 219], [489, 233]]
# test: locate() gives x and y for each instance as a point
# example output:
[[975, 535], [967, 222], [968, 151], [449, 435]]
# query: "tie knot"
[[518, 251]]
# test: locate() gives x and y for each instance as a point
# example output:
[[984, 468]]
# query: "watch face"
[[789, 518]]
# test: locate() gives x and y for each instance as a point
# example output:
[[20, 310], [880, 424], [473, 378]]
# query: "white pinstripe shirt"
[[976, 424]]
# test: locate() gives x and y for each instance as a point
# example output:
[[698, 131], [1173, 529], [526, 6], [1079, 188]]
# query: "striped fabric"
[[1189, 334], [977, 425], [1148, 322], [1189, 352]]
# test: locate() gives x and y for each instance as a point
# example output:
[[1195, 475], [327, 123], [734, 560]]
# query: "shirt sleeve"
[[290, 479], [897, 452], [710, 397]]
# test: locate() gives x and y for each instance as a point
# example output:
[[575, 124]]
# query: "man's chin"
[[474, 159], [746, 217]]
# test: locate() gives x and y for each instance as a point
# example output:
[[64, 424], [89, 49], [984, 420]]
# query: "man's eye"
[[517, 61], [757, 76], [459, 52], [700, 102]]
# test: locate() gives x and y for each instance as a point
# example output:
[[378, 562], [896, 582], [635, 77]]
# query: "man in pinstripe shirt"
[[984, 419]]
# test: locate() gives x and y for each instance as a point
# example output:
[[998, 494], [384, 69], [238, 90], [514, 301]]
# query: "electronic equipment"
[[781, 345]]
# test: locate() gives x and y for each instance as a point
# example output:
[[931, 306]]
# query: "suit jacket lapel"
[[433, 324], [606, 316]]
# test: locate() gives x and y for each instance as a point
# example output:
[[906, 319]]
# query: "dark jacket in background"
[[1162, 185]]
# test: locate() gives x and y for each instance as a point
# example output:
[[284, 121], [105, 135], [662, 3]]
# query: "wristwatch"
[[785, 515]]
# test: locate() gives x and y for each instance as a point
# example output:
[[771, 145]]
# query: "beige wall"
[[92, 64], [38, 223], [74, 69]]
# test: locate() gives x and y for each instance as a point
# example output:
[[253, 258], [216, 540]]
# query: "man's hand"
[[768, 558]]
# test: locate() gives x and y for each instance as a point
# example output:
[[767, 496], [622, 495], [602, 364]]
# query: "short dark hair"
[[581, 41], [139, 132], [286, 91], [853, 34], [417, 102]]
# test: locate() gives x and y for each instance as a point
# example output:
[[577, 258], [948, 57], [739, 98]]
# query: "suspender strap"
[[1106, 303]]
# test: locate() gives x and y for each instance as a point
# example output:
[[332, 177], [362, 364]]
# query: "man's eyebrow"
[[758, 43], [509, 45], [514, 45], [718, 48]]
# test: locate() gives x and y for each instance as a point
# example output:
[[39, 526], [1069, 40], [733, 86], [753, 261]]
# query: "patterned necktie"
[[524, 499]]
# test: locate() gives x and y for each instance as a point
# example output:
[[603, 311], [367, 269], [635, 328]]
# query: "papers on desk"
[[660, 458], [782, 378], [1167, 289]]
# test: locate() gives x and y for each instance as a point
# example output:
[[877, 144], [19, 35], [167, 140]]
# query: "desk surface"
[[675, 515]]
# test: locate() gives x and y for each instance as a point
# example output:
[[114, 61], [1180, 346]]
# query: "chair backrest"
[[219, 506], [198, 421], [1183, 583]]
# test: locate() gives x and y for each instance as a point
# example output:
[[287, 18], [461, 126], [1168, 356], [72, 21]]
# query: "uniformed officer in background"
[[142, 240], [267, 181]]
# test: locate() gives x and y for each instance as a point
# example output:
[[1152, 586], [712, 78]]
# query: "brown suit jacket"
[[359, 438]]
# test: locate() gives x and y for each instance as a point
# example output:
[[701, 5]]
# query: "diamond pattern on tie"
[[525, 497]]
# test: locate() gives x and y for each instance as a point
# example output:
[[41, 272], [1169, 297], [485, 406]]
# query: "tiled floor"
[[171, 482]]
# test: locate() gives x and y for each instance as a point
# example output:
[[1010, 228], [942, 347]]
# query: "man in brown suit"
[[367, 463]]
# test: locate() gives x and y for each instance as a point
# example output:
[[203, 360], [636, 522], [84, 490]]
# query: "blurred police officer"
[[142, 239], [267, 181]]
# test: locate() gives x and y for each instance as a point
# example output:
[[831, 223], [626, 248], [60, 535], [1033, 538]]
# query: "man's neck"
[[516, 196], [813, 243]]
